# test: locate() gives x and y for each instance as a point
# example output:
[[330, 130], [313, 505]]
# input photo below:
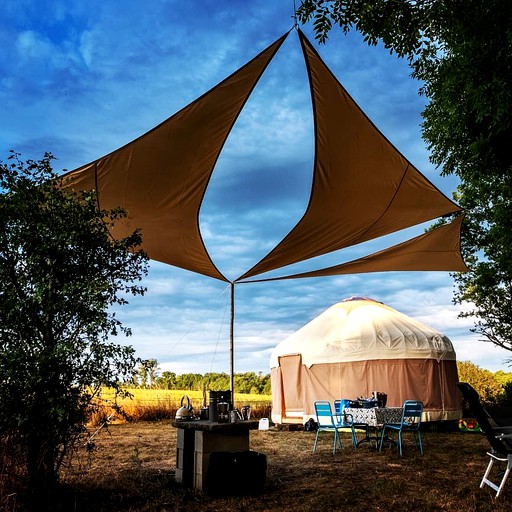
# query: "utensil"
[[246, 412]]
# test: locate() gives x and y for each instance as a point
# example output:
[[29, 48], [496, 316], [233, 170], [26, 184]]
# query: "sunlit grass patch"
[[158, 404]]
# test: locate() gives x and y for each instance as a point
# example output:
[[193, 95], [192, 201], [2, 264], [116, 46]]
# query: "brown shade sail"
[[363, 187], [161, 177], [437, 249]]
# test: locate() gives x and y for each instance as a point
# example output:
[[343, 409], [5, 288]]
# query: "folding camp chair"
[[500, 439], [411, 419], [344, 420], [326, 423]]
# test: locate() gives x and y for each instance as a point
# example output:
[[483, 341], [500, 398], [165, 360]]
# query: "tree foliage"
[[146, 374], [248, 382], [487, 385], [60, 274], [461, 50]]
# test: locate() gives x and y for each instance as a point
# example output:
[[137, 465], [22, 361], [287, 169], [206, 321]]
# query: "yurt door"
[[291, 386]]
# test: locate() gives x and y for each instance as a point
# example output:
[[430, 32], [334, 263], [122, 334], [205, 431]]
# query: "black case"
[[236, 473]]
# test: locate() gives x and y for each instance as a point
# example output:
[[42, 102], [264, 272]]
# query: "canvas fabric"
[[363, 187], [160, 178], [437, 249], [359, 330], [428, 380]]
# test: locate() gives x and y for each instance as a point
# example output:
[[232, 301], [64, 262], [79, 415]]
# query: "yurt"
[[359, 346]]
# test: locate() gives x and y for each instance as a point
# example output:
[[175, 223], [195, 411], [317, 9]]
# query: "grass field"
[[132, 465], [160, 404], [149, 396]]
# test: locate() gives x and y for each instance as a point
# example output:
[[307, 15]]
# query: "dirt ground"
[[131, 467]]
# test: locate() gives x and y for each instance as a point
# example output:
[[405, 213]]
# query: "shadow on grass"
[[132, 469]]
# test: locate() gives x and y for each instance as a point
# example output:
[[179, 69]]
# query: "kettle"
[[185, 412]]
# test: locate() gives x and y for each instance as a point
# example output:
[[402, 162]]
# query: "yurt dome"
[[355, 347]]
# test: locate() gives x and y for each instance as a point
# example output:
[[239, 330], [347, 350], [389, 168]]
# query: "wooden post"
[[231, 345]]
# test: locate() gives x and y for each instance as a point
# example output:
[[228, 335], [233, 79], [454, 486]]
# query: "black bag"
[[311, 425]]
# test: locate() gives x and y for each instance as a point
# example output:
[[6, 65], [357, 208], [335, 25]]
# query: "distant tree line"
[[493, 388], [149, 376]]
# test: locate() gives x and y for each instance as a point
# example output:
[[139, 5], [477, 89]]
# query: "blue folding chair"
[[411, 419], [326, 423], [344, 420]]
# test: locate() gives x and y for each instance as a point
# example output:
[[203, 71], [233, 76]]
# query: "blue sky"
[[80, 79]]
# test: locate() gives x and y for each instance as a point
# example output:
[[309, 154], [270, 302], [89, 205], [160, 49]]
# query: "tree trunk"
[[41, 475]]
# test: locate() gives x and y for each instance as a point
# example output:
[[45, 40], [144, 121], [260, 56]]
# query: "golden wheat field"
[[158, 404]]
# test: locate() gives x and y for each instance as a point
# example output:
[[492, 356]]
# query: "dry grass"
[[131, 468], [158, 404]]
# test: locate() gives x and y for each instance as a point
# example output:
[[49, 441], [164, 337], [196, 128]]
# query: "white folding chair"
[[493, 457]]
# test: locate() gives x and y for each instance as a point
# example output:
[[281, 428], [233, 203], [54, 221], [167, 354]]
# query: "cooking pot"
[[185, 412]]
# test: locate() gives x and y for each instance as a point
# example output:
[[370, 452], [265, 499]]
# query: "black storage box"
[[236, 473]]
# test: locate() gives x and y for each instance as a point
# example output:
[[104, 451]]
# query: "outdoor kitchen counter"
[[197, 439], [242, 425]]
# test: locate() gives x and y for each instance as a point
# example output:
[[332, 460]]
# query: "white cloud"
[[81, 79]]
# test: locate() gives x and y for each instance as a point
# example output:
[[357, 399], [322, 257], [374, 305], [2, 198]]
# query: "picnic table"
[[371, 420]]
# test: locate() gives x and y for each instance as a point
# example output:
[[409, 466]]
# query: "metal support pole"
[[231, 345]]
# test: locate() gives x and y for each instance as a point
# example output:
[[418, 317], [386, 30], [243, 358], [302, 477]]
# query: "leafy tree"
[[152, 366], [218, 381], [140, 378], [503, 377], [167, 380], [147, 373], [507, 395], [60, 274], [485, 383], [267, 388], [462, 52], [190, 381], [244, 382], [247, 382]]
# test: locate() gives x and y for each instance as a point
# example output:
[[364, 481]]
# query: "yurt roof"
[[359, 329]]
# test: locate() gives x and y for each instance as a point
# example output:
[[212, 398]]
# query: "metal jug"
[[185, 412], [235, 416]]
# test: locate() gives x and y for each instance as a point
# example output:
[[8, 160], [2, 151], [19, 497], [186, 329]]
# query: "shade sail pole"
[[231, 345]]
